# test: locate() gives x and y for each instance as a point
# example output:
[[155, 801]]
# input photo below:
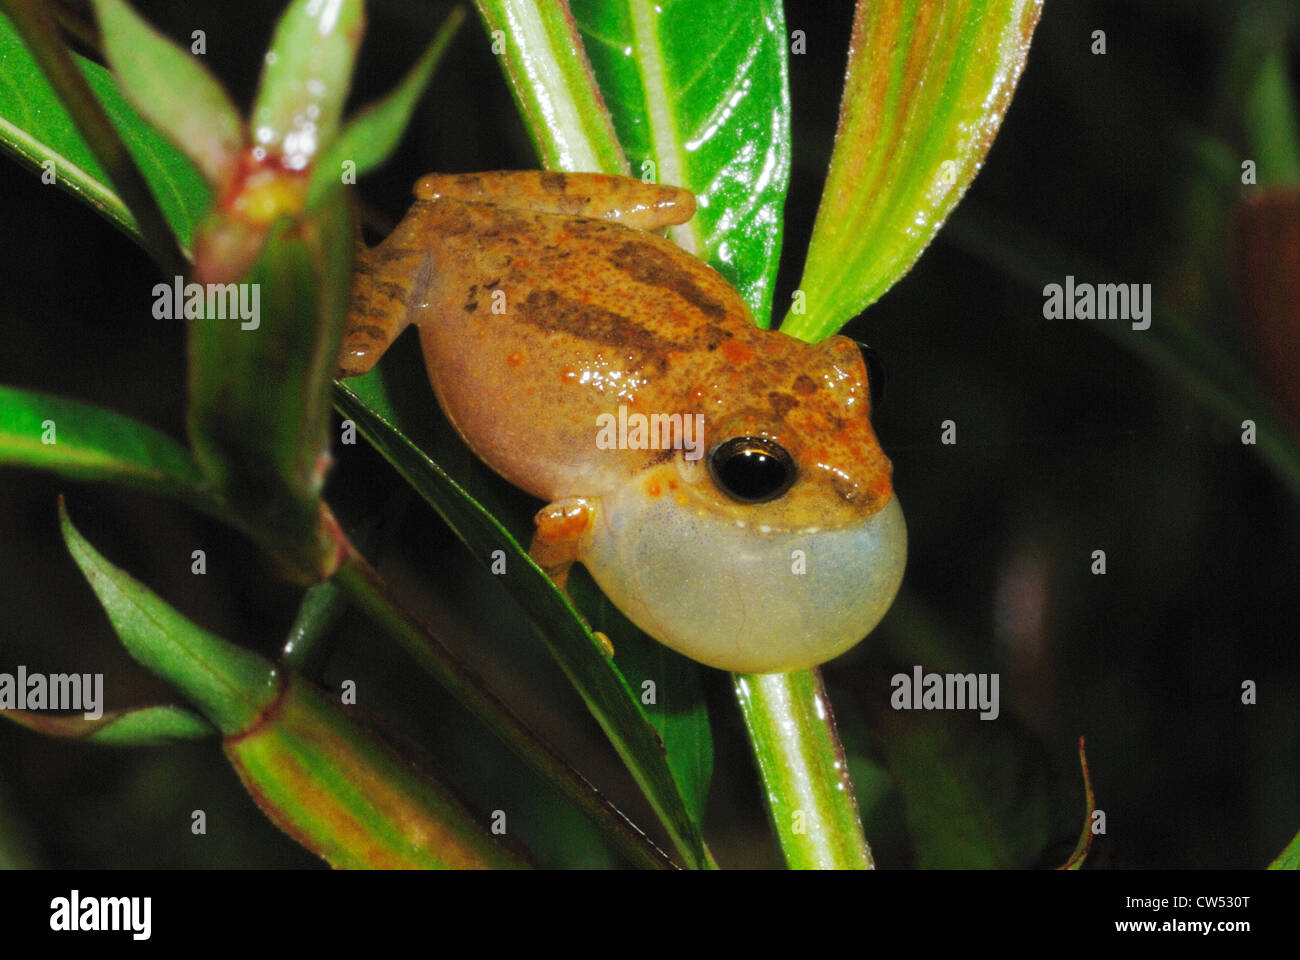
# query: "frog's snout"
[[740, 597]]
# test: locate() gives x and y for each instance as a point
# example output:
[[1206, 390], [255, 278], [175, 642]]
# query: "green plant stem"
[[364, 587], [802, 763], [41, 35]]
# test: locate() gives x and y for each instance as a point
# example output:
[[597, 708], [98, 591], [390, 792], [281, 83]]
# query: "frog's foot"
[[561, 527], [625, 200]]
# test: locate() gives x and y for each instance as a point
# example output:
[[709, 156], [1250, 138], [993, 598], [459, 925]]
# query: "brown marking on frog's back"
[[656, 268], [804, 385], [553, 312]]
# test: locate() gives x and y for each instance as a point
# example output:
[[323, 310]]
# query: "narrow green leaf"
[[928, 84], [600, 682], [699, 90], [317, 773], [373, 134], [1081, 849], [229, 685], [1258, 61], [86, 442], [559, 101], [680, 713], [337, 789], [669, 687], [305, 79], [36, 125], [306, 648], [142, 727], [365, 588], [173, 90], [804, 770]]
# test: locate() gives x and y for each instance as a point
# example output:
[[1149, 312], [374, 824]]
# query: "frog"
[[757, 530]]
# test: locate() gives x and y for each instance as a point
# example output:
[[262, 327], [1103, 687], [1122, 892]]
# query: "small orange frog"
[[721, 483]]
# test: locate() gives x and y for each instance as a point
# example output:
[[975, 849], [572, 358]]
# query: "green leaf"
[[306, 649], [86, 442], [36, 127], [366, 401], [337, 789], [559, 101], [317, 773], [142, 727], [373, 134], [305, 80], [173, 90], [699, 88], [229, 685], [804, 770], [1288, 859], [928, 84], [260, 388], [678, 711]]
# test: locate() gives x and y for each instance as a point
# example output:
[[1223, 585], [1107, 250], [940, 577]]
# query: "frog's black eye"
[[751, 469], [875, 373]]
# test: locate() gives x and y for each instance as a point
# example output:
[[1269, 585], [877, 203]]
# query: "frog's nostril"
[[849, 491]]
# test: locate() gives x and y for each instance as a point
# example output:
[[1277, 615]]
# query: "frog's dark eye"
[[751, 469], [875, 373]]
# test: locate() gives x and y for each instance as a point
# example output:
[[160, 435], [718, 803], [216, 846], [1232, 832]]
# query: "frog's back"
[[538, 324]]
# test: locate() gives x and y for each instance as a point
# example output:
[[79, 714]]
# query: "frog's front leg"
[[386, 284], [561, 527]]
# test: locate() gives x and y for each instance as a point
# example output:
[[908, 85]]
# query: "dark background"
[[1123, 168]]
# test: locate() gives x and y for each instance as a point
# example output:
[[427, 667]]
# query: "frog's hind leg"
[[381, 303], [642, 206]]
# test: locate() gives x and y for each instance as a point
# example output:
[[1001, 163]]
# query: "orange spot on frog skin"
[[737, 352], [569, 376], [514, 358], [653, 488]]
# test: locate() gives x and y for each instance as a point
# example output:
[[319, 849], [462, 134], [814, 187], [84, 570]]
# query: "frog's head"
[[782, 545]]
